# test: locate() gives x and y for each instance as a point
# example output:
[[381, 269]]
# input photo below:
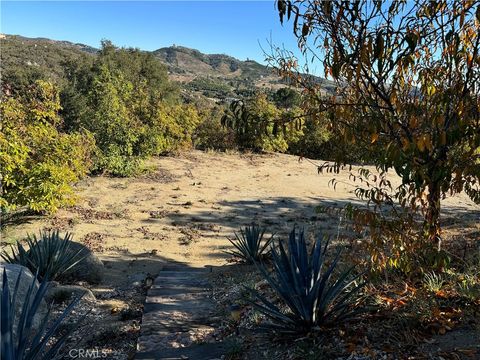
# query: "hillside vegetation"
[[217, 76], [106, 110], [364, 245]]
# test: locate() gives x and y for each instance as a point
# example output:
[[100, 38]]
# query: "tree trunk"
[[432, 216]]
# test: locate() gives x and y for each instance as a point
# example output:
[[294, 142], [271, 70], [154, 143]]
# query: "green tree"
[[116, 131], [125, 99], [39, 163], [286, 98], [407, 75], [260, 126]]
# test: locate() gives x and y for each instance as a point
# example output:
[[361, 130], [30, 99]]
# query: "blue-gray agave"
[[305, 284]]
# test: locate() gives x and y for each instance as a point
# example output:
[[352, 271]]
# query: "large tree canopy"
[[407, 76]]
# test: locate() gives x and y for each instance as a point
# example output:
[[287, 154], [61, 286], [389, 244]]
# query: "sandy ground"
[[185, 208]]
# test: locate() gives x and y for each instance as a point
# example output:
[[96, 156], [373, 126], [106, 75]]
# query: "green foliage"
[[25, 344], [38, 161], [249, 244], [126, 101], [260, 126], [210, 87], [210, 134], [305, 284], [316, 141], [286, 98], [116, 131], [433, 282], [50, 256], [469, 288]]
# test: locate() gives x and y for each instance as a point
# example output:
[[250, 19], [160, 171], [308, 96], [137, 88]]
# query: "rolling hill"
[[215, 76]]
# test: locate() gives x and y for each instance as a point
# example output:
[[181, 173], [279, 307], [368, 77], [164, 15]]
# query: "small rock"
[[137, 279], [89, 269], [56, 291]]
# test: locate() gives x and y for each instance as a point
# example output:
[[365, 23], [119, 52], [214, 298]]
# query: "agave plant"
[[305, 284], [249, 244], [25, 343], [50, 255]]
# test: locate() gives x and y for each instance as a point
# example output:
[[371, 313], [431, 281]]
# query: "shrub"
[[313, 143], [260, 126], [116, 164], [178, 123], [39, 163], [305, 284], [23, 344], [433, 282], [249, 244], [125, 100], [48, 256], [210, 134]]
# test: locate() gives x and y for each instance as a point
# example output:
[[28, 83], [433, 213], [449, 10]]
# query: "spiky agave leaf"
[[17, 256], [49, 255], [312, 297], [249, 244], [26, 345]]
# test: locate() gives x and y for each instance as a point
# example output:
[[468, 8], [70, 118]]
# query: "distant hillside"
[[185, 61], [215, 76], [39, 54]]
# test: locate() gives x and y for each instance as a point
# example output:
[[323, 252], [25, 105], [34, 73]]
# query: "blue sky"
[[230, 27]]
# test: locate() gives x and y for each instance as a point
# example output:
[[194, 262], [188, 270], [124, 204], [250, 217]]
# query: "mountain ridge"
[[218, 76]]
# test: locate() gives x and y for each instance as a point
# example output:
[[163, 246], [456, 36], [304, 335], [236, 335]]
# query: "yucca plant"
[[48, 255], [305, 284], [25, 343], [249, 244]]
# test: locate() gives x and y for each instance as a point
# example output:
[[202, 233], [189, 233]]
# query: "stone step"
[[178, 305], [180, 279], [210, 351], [172, 290]]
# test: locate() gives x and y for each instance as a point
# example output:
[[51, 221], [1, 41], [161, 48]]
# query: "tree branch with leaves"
[[407, 80]]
